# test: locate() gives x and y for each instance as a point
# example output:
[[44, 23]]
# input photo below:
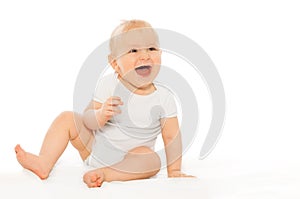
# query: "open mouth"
[[143, 70]]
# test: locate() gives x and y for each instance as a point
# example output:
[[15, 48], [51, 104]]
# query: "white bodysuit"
[[138, 124]]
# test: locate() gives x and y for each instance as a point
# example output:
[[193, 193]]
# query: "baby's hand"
[[178, 174], [94, 178], [110, 108]]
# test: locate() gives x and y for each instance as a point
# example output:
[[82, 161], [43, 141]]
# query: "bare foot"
[[94, 178], [32, 162]]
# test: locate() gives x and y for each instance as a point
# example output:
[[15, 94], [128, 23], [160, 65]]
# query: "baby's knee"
[[147, 156], [66, 115], [70, 117]]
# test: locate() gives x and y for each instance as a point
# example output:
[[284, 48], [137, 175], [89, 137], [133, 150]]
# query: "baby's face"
[[138, 57]]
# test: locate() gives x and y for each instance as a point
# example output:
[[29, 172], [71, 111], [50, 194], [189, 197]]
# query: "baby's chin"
[[140, 81], [135, 83], [144, 85], [141, 84]]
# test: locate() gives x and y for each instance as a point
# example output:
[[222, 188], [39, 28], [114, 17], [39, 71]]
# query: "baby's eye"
[[133, 51], [153, 49]]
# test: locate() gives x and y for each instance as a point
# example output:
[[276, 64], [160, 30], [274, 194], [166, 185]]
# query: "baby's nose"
[[144, 54]]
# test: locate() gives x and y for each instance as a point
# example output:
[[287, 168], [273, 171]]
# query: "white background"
[[254, 45]]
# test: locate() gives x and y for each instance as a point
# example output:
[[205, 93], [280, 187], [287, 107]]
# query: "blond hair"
[[124, 27]]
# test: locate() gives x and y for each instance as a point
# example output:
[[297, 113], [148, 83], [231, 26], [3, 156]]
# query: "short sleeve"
[[168, 105], [104, 88]]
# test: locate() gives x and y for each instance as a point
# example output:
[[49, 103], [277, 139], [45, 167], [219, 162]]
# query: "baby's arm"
[[97, 114], [172, 140]]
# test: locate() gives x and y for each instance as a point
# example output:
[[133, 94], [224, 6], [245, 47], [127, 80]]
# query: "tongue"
[[143, 71]]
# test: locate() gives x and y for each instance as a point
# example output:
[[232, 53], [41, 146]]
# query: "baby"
[[116, 133]]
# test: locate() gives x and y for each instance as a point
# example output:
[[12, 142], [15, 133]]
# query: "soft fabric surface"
[[216, 179]]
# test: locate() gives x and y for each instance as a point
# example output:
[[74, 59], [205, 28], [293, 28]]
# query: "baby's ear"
[[113, 62]]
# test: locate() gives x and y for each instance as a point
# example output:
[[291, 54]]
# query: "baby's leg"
[[139, 163], [68, 126]]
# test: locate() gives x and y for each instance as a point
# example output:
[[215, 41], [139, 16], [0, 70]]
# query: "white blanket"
[[216, 179]]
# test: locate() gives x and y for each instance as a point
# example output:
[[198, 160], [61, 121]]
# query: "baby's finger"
[[116, 110], [112, 112], [114, 101]]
